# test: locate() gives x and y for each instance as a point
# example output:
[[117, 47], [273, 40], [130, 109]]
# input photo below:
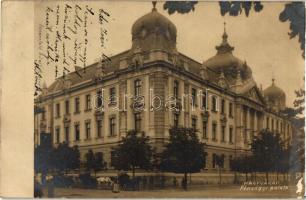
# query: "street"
[[209, 191]]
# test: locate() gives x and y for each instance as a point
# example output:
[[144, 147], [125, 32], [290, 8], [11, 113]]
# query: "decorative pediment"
[[255, 95]]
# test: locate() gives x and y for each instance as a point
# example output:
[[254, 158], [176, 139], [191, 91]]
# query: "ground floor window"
[[77, 132], [67, 134]]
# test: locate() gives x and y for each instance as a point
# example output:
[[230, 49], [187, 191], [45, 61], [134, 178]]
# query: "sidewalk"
[[193, 192]]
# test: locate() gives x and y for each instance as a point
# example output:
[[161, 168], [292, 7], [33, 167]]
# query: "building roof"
[[151, 21], [273, 92]]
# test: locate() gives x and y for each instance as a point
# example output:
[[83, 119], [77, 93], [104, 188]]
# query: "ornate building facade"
[[96, 106]]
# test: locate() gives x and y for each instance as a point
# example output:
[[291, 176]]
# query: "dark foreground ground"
[[193, 192]]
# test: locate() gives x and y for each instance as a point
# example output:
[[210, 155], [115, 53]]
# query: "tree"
[[100, 164], [94, 161], [90, 160], [296, 151], [294, 12], [43, 159], [266, 149], [74, 158], [244, 164], [220, 164], [133, 152], [184, 153], [65, 158], [50, 159]]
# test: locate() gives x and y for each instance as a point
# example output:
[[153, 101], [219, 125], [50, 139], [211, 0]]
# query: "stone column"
[[255, 123], [239, 126]]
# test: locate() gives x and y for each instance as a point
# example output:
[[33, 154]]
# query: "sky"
[[260, 39]]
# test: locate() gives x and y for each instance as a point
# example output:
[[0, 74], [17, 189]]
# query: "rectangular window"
[[175, 120], [194, 96], [58, 111], [137, 122], [87, 129], [67, 134], [194, 123], [204, 100], [214, 160], [57, 131], [67, 106], [88, 102], [230, 109], [99, 102], [205, 129], [112, 95], [223, 134], [281, 127], [137, 87], [267, 123], [272, 122], [214, 132], [77, 105], [222, 106], [214, 104], [77, 132], [43, 114], [176, 89], [112, 126], [99, 128], [112, 158], [231, 135]]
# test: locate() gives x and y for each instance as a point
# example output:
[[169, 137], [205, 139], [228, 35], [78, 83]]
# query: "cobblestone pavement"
[[193, 192]]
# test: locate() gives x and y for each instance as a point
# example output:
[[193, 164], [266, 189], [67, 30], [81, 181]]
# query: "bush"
[[62, 181], [123, 179], [88, 181]]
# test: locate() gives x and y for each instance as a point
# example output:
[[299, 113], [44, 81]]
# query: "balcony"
[[66, 118], [99, 114], [223, 119], [205, 114]]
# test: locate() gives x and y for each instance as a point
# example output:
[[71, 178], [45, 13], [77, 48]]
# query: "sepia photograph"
[[169, 99]]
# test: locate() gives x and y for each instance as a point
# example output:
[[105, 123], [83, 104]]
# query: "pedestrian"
[[50, 184], [38, 193], [116, 186]]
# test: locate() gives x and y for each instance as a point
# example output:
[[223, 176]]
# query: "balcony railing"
[[223, 119], [66, 118], [205, 114], [99, 114]]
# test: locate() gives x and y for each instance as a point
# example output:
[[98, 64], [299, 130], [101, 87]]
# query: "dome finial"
[[273, 78], [224, 47], [224, 36], [154, 5]]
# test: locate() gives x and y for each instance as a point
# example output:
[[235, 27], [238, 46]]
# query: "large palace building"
[[152, 87]]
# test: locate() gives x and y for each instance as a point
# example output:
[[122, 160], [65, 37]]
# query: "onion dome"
[[275, 96], [225, 61], [154, 31], [273, 92]]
